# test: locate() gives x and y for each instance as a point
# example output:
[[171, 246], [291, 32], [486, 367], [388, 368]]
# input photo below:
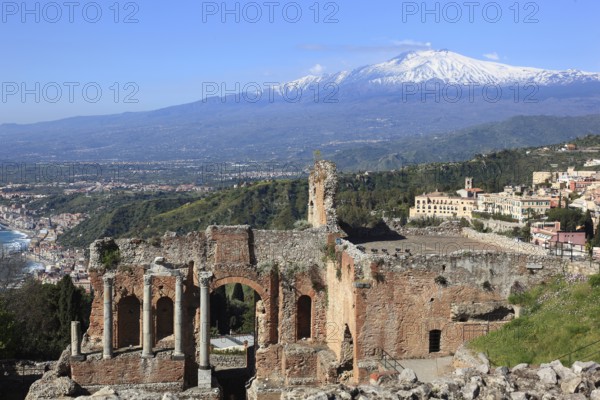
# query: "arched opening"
[[435, 337], [232, 309], [304, 318], [234, 324], [128, 314], [164, 318]]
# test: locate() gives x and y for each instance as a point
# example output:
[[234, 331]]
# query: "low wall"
[[228, 361], [507, 243], [128, 369]]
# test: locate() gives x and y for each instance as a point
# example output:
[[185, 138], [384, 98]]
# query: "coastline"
[[33, 261], [26, 237], [8, 227]]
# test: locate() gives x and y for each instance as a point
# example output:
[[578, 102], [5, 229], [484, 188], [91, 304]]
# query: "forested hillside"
[[362, 198]]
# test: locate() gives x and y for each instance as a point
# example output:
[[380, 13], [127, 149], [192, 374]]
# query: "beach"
[[14, 241]]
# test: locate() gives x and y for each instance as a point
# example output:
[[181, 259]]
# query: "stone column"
[[76, 341], [178, 328], [107, 339], [204, 372], [147, 343]]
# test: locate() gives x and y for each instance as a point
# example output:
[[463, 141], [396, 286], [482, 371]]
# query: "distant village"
[[520, 204]]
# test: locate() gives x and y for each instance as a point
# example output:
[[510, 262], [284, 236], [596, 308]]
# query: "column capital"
[[179, 279], [147, 279], [108, 280], [204, 278]]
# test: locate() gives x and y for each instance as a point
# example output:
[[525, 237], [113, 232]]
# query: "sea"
[[12, 241]]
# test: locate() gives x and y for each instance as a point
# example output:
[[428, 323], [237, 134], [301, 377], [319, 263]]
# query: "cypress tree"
[[69, 305], [238, 292]]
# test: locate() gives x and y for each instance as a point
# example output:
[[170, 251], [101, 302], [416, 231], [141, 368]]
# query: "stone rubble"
[[522, 382]]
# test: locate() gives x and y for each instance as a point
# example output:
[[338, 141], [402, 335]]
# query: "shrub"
[[594, 280], [301, 225], [464, 223], [111, 258], [440, 280], [479, 226], [425, 222]]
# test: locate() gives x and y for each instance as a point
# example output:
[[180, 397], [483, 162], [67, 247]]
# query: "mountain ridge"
[[223, 129], [451, 68]]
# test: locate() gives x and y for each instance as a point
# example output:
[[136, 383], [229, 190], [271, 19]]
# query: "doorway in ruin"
[[346, 362], [233, 324], [435, 337], [128, 321], [164, 318], [304, 318]]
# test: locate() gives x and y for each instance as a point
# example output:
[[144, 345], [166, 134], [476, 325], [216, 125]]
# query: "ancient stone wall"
[[176, 249], [505, 242], [128, 369], [302, 248], [228, 361], [395, 303], [341, 311], [322, 187], [282, 267]]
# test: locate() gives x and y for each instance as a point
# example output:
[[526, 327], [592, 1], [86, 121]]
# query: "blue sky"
[[174, 47]]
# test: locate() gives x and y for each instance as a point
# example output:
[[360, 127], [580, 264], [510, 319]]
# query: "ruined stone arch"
[[270, 328], [244, 281]]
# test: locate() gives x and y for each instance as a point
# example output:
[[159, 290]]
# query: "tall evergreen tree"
[[238, 292], [588, 225], [596, 240], [69, 306]]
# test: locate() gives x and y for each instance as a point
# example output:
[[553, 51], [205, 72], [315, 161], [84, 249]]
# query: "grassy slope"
[[557, 318]]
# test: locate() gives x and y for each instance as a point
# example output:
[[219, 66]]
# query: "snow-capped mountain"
[[448, 67], [366, 105]]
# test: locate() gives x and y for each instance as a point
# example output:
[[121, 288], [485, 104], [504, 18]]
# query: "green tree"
[[69, 306], [219, 315], [596, 240], [589, 226], [569, 219], [238, 292], [7, 333]]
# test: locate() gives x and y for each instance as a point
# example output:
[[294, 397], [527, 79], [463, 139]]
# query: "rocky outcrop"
[[55, 383]]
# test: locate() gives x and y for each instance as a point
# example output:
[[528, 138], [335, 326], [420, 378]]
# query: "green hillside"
[[560, 320], [516, 132], [363, 198], [275, 205]]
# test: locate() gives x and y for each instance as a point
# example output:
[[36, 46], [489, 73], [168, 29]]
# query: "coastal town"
[[49, 261]]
